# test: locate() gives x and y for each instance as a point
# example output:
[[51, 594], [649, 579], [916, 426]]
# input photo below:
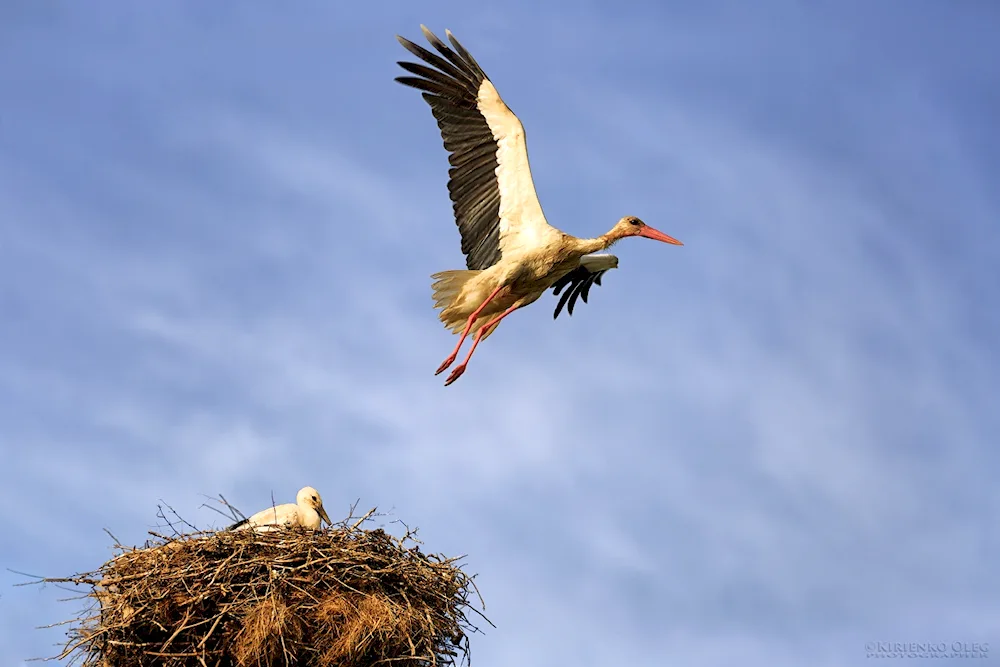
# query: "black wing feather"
[[579, 281], [452, 91]]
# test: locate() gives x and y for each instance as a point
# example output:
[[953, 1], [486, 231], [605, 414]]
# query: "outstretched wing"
[[581, 279], [492, 193]]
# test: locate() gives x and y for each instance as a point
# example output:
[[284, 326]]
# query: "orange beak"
[[655, 234]]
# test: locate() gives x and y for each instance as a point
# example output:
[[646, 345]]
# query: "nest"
[[342, 597]]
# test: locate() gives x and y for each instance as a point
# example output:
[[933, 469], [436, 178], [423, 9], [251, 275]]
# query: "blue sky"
[[770, 446]]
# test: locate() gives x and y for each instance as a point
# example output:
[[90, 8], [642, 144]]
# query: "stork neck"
[[587, 246]]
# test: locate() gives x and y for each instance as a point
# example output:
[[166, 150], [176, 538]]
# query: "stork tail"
[[447, 288]]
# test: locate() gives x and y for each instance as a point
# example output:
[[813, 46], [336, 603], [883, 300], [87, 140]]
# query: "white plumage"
[[599, 262], [307, 511]]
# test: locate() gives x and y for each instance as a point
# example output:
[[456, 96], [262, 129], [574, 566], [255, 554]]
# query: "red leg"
[[468, 327], [492, 324]]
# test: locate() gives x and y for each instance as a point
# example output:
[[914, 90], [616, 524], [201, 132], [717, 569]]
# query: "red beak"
[[655, 234]]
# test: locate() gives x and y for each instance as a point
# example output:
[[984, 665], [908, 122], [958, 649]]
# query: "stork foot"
[[455, 374], [447, 362]]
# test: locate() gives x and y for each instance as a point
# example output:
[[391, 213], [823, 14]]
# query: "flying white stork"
[[513, 255], [307, 511]]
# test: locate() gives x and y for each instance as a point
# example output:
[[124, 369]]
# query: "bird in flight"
[[512, 254]]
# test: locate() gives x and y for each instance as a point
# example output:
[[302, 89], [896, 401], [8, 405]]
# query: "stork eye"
[[314, 497], [635, 222]]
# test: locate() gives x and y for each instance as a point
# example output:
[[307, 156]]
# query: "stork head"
[[309, 497], [633, 226]]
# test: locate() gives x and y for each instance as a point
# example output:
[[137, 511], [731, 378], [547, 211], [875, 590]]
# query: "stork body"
[[513, 255], [307, 512]]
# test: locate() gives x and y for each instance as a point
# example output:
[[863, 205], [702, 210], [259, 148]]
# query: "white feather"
[[599, 262], [522, 223]]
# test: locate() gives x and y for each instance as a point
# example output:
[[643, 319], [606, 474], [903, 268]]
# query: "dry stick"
[[364, 518], [180, 629], [218, 619]]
